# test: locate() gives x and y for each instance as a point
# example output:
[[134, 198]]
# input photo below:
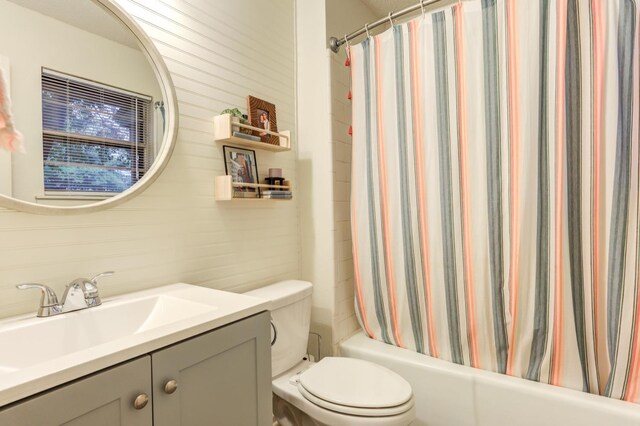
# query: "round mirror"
[[93, 101]]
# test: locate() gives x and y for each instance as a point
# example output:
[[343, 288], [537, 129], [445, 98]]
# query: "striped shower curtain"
[[495, 189]]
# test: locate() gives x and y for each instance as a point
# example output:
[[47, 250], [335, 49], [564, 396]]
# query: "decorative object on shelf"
[[238, 117], [277, 195], [235, 112], [246, 136], [275, 177], [226, 190], [242, 166], [262, 114], [274, 180], [275, 172], [223, 129]]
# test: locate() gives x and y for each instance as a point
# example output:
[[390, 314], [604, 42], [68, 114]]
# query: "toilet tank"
[[290, 316]]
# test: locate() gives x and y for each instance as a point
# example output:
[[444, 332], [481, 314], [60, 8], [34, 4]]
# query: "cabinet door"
[[103, 399], [223, 377]]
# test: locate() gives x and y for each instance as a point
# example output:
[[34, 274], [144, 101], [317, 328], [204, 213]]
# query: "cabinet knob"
[[141, 401], [171, 386]]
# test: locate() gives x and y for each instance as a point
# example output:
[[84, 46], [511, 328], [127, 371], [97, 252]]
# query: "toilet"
[[334, 391]]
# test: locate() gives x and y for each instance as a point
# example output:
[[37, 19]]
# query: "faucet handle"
[[91, 289], [48, 296], [48, 300], [94, 280]]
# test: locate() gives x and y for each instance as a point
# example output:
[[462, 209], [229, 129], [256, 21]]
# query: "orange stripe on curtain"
[[466, 206], [514, 138], [558, 323]]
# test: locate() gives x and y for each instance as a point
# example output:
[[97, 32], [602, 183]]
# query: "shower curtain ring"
[[366, 28], [391, 19], [422, 7], [347, 47]]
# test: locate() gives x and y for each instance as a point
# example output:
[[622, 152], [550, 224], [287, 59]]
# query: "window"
[[95, 137]]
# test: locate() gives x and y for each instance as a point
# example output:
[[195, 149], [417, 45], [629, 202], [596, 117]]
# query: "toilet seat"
[[355, 387], [356, 411]]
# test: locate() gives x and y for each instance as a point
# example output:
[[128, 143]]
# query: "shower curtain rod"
[[335, 43]]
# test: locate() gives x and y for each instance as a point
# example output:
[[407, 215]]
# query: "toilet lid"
[[357, 411], [355, 383]]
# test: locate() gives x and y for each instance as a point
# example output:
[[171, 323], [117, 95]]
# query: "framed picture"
[[262, 114], [242, 166]]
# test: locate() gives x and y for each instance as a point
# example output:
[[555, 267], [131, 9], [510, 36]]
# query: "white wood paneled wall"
[[344, 319], [218, 52]]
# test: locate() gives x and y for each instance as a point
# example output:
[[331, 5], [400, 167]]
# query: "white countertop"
[[52, 360]]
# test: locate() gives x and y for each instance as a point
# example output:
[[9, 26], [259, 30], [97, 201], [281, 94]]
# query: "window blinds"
[[95, 137]]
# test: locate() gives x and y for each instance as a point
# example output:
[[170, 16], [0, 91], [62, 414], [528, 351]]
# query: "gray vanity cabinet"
[[222, 377], [102, 399]]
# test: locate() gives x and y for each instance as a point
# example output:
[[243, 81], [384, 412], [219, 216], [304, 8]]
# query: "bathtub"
[[453, 395]]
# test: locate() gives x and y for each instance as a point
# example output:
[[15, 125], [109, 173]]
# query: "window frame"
[[144, 143]]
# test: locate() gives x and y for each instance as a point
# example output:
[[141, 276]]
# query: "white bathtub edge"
[[448, 394]]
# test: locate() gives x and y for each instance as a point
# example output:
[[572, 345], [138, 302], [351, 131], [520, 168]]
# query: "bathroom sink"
[[41, 339], [45, 352]]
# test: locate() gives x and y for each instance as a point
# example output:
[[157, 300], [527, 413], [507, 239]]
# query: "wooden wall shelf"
[[223, 133], [224, 189]]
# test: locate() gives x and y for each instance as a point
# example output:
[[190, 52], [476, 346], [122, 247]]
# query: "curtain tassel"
[[347, 62], [350, 130]]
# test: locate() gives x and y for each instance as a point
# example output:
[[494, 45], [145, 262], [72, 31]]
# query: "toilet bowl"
[[334, 391], [342, 391]]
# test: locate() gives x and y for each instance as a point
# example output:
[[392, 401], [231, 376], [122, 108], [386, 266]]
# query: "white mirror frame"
[[167, 146]]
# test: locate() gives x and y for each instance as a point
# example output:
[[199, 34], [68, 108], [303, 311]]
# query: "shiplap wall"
[[218, 52]]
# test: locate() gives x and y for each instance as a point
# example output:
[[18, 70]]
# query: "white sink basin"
[[39, 353], [40, 339]]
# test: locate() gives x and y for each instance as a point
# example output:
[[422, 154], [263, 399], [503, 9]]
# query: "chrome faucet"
[[80, 293]]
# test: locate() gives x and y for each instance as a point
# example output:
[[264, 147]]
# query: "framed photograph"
[[262, 114], [242, 166]]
